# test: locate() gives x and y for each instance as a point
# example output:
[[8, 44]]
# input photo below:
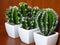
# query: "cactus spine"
[[47, 21], [12, 15]]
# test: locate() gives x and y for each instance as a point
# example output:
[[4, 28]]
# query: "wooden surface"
[[4, 39]]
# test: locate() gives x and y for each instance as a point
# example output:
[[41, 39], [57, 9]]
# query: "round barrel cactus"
[[47, 20], [12, 15]]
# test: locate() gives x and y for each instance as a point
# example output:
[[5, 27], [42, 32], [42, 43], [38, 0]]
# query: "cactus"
[[47, 20], [28, 22], [35, 10], [12, 15], [23, 8], [34, 13]]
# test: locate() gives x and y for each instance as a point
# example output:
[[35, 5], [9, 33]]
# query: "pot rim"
[[11, 24], [56, 33], [28, 30]]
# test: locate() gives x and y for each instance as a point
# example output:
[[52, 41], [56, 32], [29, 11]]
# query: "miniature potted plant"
[[28, 23], [47, 20], [13, 21]]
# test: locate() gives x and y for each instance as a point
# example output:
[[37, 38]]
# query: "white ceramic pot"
[[45, 40], [26, 36], [12, 30]]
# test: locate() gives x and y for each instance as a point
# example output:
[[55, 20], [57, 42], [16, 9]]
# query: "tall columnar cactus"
[[12, 15], [28, 22], [47, 21]]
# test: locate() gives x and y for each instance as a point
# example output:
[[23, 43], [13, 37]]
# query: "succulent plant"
[[47, 20], [28, 22], [12, 15], [35, 10], [23, 9]]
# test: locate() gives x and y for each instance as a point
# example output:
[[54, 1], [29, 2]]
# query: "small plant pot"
[[26, 36], [45, 40], [12, 30]]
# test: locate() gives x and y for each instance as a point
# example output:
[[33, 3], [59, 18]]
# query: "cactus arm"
[[34, 25], [23, 11], [23, 7], [19, 17], [15, 16], [9, 16], [35, 10], [24, 24], [29, 22]]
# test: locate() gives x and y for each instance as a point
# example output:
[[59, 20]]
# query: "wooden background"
[[55, 4]]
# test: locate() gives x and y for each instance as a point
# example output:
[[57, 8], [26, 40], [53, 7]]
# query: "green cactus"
[[12, 15], [35, 10], [24, 23], [23, 8], [28, 22], [47, 20], [34, 13]]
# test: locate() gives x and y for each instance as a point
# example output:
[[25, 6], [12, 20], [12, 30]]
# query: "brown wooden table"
[[5, 40]]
